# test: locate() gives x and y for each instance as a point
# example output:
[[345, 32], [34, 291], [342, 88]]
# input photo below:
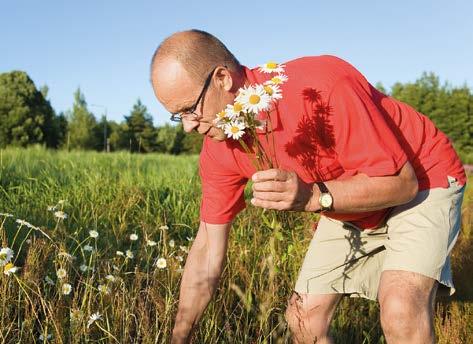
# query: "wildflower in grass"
[[6, 254], [83, 268], [43, 338], [271, 67], [61, 202], [164, 227], [22, 222], [171, 243], [60, 214], [129, 254], [52, 208], [180, 258], [93, 234], [66, 289], [61, 273], [93, 318], [190, 238], [10, 269], [6, 215], [110, 278], [48, 280], [103, 289], [161, 263], [184, 249], [88, 248], [151, 243], [133, 237], [120, 253]]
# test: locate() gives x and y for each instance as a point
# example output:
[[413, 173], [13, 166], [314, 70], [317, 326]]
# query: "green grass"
[[157, 197]]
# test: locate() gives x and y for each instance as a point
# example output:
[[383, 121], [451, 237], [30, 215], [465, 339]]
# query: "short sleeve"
[[364, 141], [222, 187]]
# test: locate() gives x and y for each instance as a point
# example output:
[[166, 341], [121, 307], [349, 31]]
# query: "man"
[[388, 184]]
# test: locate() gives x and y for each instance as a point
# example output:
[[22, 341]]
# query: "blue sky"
[[105, 46]]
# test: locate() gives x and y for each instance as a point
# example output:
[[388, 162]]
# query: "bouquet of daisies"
[[241, 118]]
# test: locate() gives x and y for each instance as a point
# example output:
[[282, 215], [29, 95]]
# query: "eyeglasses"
[[177, 117]]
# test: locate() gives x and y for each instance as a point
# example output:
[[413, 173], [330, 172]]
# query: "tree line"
[[27, 118]]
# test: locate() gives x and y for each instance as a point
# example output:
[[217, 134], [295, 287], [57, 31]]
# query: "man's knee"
[[311, 313]]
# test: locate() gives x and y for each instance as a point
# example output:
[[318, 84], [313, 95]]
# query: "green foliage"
[[140, 129], [82, 132], [26, 117]]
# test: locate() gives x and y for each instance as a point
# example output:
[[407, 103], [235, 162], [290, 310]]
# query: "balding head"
[[197, 51]]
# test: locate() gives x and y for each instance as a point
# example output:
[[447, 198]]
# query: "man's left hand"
[[281, 190]]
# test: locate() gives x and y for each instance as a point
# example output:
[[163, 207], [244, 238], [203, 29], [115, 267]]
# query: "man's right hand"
[[201, 276]]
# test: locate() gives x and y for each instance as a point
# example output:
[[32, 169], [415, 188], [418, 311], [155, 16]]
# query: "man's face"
[[178, 93]]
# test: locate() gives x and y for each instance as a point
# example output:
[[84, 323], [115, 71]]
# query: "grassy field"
[[101, 240]]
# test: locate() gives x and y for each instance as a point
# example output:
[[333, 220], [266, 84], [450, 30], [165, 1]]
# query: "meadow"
[[100, 240]]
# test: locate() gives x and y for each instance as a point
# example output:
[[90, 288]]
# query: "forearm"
[[361, 193], [200, 278]]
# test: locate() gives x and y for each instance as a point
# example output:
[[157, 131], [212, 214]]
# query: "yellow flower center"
[[276, 80], [221, 114], [268, 90], [8, 267], [271, 65], [235, 130], [254, 99], [237, 107]]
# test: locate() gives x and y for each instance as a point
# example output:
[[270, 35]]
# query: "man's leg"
[[407, 304], [309, 317]]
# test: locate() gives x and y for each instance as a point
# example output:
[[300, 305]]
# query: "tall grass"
[[157, 197]]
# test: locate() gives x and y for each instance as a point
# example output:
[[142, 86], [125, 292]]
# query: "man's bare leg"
[[309, 317], [407, 306]]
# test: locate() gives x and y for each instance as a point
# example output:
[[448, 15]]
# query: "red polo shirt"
[[330, 124]]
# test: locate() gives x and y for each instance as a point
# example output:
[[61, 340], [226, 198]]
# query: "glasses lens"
[[176, 118]]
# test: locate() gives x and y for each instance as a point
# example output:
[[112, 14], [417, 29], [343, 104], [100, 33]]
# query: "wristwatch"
[[325, 198]]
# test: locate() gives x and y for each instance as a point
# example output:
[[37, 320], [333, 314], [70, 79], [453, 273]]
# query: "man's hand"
[[281, 190]]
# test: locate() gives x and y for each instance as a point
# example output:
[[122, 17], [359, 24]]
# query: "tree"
[[26, 117], [140, 129], [82, 125]]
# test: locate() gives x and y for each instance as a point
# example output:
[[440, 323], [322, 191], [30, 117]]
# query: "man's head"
[[195, 76]]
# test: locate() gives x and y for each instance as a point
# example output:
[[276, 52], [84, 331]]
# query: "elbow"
[[412, 188]]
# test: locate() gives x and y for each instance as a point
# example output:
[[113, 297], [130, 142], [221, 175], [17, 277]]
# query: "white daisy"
[[83, 268], [22, 222], [60, 214], [52, 208], [133, 237], [120, 253], [42, 338], [88, 248], [272, 67], [235, 130], [151, 243], [234, 110], [254, 99], [277, 80], [129, 254], [61, 273], [6, 214], [66, 289], [184, 249], [161, 263], [164, 227], [103, 289], [94, 234], [10, 269], [110, 278], [179, 258], [93, 318], [171, 243], [274, 91], [6, 254]]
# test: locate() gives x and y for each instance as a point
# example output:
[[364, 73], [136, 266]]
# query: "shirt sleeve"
[[364, 142], [222, 188]]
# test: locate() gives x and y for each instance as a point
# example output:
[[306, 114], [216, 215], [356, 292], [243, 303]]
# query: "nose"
[[189, 124]]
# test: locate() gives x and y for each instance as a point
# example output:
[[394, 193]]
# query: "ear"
[[223, 78]]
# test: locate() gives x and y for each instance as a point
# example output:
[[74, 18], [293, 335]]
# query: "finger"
[[273, 186], [272, 174], [268, 204], [269, 196]]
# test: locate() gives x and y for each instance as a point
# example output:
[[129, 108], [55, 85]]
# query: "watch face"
[[326, 200]]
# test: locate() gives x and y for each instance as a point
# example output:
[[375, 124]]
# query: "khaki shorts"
[[417, 237]]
